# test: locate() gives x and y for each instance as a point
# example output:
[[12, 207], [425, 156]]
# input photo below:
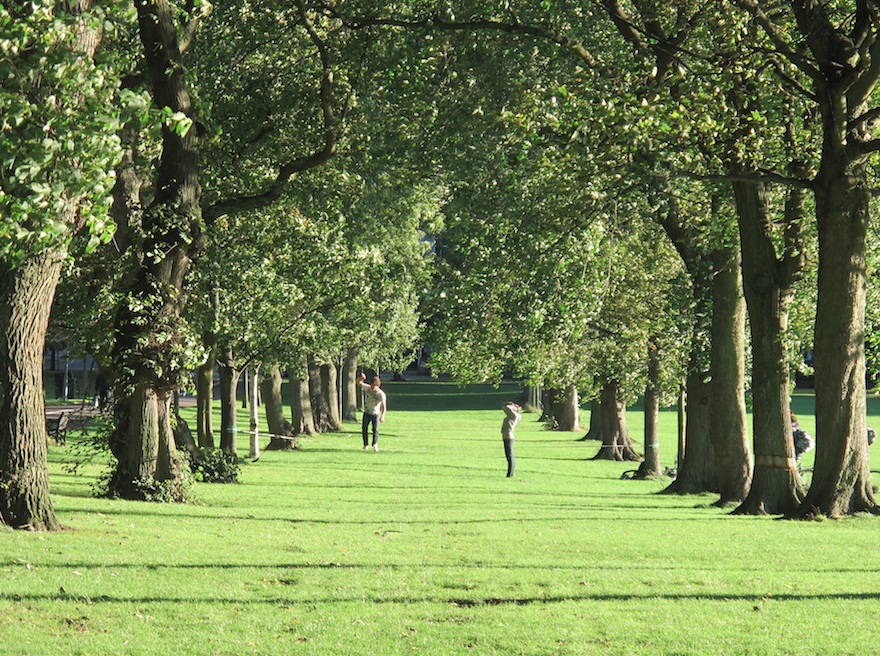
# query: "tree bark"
[[330, 393], [841, 483], [696, 469], [768, 281], [349, 384], [650, 467], [563, 407], [205, 394], [274, 405], [135, 443], [301, 406], [320, 410], [566, 409], [616, 442], [594, 432], [26, 294], [147, 323], [229, 377], [253, 376], [730, 439]]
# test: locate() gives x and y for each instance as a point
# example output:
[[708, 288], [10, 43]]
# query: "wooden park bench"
[[57, 427]]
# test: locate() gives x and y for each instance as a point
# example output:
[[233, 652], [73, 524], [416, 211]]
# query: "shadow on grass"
[[459, 602]]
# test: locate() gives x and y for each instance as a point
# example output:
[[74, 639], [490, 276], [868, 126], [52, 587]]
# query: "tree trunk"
[[616, 442], [570, 420], [330, 393], [681, 424], [301, 407], [776, 486], [183, 438], [147, 323], [254, 386], [135, 443], [26, 295], [696, 469], [229, 376], [205, 394], [349, 384], [841, 483], [320, 410], [274, 405], [730, 439], [595, 430], [650, 467], [563, 407]]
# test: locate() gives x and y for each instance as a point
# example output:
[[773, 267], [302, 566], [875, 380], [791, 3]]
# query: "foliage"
[[61, 111], [217, 466], [181, 489]]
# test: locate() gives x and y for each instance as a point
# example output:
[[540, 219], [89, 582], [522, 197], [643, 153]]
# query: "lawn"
[[426, 547]]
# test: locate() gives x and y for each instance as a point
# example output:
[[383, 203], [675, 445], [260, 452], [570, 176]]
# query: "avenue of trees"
[[610, 200]]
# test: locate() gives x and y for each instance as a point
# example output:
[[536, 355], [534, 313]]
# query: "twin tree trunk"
[[146, 328], [776, 485]]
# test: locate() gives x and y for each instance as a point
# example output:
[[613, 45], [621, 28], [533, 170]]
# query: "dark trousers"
[[374, 420], [508, 453]]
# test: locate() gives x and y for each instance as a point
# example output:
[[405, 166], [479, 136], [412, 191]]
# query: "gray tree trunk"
[[301, 405]]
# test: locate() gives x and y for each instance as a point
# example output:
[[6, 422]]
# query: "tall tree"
[[58, 146], [834, 47]]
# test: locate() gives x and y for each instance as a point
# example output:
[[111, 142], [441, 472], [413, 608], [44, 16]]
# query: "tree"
[[57, 151]]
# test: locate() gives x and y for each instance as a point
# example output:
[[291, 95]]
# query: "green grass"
[[426, 547]]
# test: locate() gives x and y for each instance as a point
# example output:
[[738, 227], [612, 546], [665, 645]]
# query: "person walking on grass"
[[512, 414], [375, 405]]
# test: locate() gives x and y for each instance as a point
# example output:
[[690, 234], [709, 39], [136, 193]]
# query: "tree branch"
[[299, 164]]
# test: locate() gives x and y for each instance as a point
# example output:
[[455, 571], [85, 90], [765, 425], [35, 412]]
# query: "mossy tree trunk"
[[147, 324]]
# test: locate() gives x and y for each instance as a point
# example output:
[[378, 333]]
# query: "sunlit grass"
[[427, 547]]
